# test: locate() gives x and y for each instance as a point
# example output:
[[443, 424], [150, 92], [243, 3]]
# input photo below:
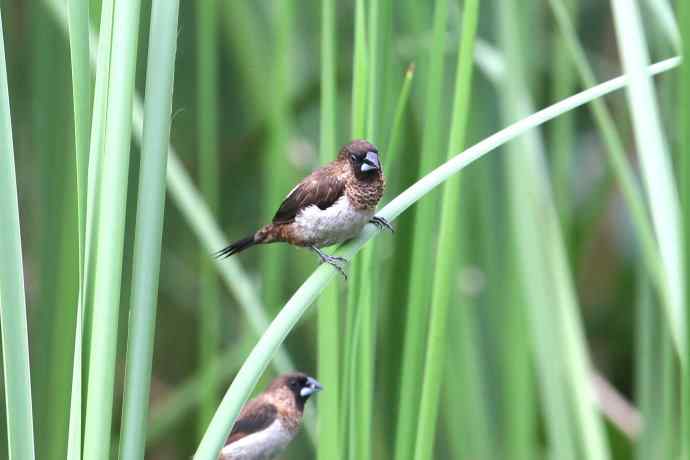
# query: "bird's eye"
[[354, 157]]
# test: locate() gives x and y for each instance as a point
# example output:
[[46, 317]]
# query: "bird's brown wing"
[[255, 416], [321, 188]]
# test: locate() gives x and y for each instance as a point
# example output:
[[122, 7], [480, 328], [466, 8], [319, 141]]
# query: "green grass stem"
[[656, 170], [683, 166], [15, 343], [149, 229], [572, 422], [447, 252], [420, 280], [111, 228], [75, 435], [210, 318], [328, 339]]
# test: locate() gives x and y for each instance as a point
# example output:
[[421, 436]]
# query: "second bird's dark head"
[[363, 158], [300, 385]]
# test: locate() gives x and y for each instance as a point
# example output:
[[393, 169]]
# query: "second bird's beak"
[[312, 387], [371, 162]]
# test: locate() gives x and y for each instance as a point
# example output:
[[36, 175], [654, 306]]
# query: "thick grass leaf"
[[15, 343], [657, 175], [149, 225]]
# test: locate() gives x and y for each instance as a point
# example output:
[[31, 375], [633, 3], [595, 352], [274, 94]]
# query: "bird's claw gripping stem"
[[334, 261], [381, 223]]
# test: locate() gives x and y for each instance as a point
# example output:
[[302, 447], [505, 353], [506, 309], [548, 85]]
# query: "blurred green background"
[[261, 115]]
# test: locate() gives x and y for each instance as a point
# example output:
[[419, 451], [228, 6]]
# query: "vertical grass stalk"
[[350, 402], [420, 280], [81, 342], [278, 180], [149, 225], [15, 343], [111, 223], [572, 422], [683, 166], [655, 161], [563, 129], [654, 385], [207, 116], [617, 158], [447, 253], [78, 19], [329, 314], [363, 352]]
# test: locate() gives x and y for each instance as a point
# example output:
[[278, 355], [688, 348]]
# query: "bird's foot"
[[334, 261], [381, 223]]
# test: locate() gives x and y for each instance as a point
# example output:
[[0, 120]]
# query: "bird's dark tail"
[[237, 246]]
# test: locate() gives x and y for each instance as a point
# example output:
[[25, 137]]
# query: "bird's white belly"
[[263, 445], [335, 224]]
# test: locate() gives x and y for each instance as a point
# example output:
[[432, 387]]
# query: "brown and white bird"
[[329, 206], [270, 421]]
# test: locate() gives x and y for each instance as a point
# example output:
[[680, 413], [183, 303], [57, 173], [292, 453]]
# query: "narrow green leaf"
[[74, 443], [15, 343], [111, 227], [278, 181], [447, 252], [563, 130], [572, 421], [329, 314], [78, 19], [616, 154], [655, 161], [351, 401], [683, 168], [420, 281], [654, 384], [149, 225], [209, 183]]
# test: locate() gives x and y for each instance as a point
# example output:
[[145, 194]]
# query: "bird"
[[329, 206], [268, 423]]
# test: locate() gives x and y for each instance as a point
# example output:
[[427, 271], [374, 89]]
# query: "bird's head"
[[363, 159], [298, 385]]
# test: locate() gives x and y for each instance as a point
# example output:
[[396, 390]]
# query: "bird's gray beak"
[[371, 162], [312, 387]]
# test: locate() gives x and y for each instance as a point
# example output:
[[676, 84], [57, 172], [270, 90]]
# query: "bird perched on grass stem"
[[329, 206], [270, 421]]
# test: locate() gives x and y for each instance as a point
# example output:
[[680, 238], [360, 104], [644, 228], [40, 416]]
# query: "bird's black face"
[[303, 386], [365, 161]]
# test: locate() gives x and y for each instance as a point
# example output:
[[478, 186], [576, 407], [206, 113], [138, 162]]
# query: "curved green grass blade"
[[295, 308]]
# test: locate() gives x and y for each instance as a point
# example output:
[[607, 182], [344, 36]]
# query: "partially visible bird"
[[269, 422], [329, 206]]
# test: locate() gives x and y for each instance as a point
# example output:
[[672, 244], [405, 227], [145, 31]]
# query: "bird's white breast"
[[335, 224], [263, 445]]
